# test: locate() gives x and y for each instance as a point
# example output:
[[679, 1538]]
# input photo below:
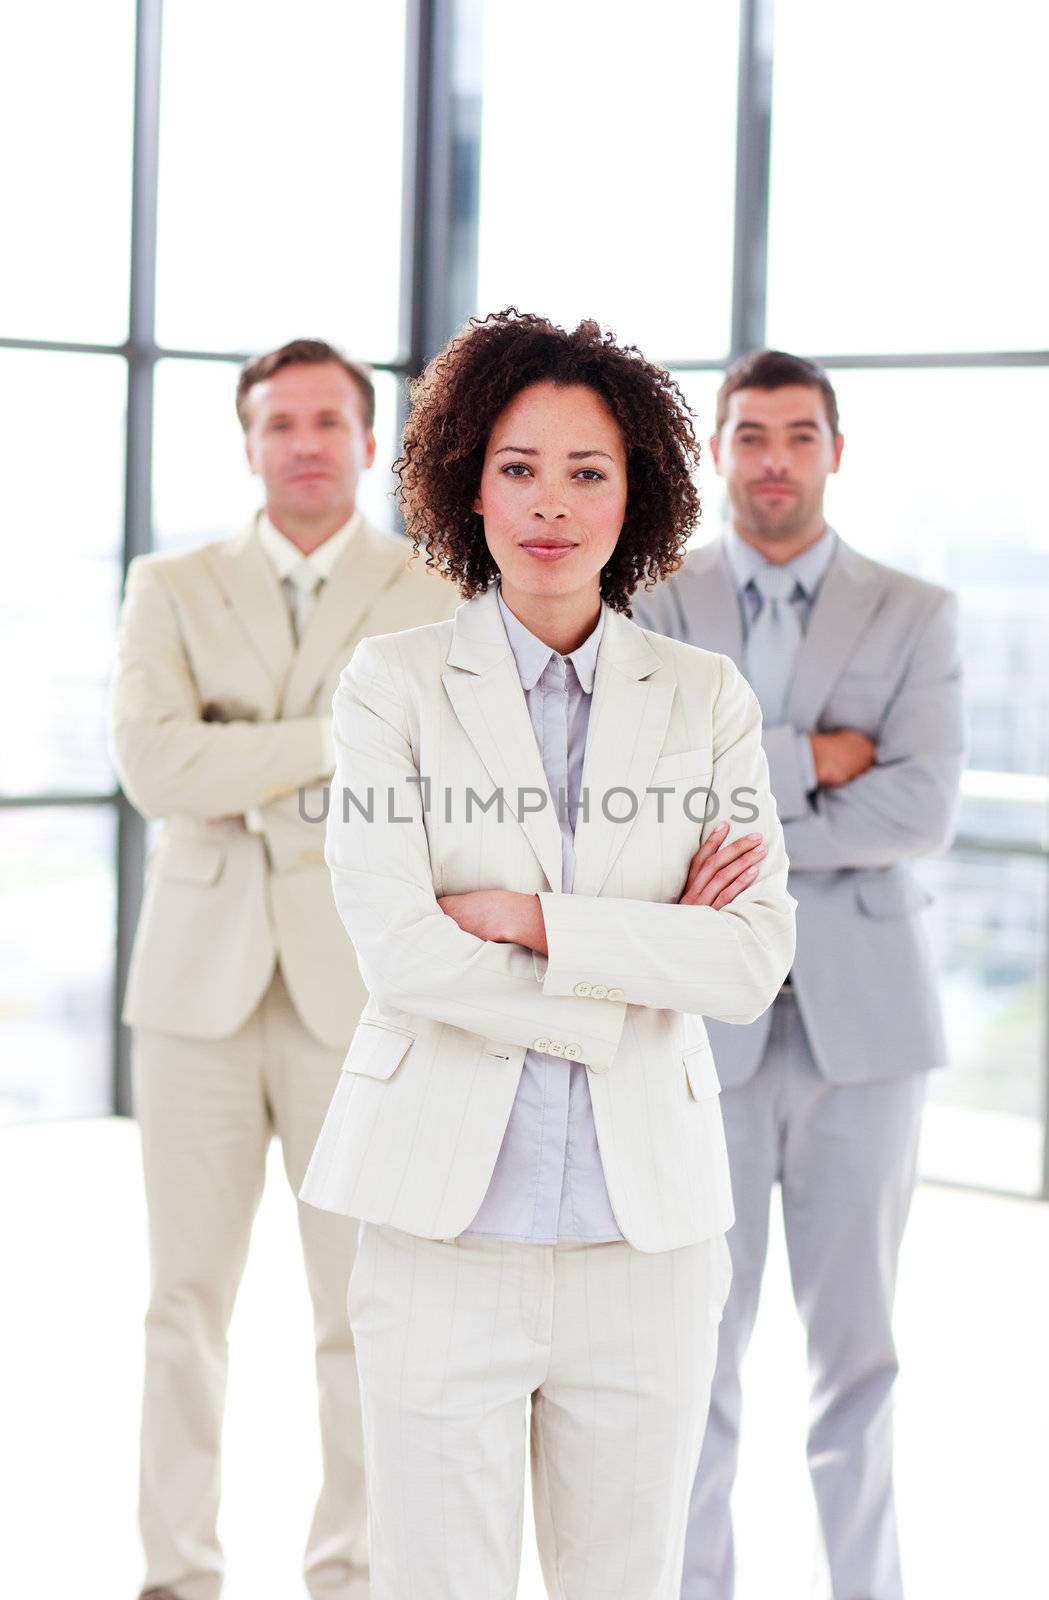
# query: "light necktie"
[[301, 586], [773, 642]]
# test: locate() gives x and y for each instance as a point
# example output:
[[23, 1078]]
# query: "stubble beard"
[[779, 529]]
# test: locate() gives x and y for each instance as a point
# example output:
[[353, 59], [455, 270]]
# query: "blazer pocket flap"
[[702, 1074], [891, 897], [687, 764], [377, 1050], [187, 862]]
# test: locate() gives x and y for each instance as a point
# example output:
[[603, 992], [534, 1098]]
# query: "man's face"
[[775, 453], [307, 441]]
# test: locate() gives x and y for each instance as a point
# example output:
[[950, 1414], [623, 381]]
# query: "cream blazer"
[[426, 717], [215, 713]]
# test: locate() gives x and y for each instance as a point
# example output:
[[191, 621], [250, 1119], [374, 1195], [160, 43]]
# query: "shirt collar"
[[809, 568], [533, 656], [285, 557]]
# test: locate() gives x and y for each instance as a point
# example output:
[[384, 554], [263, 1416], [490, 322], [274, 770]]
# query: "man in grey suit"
[[856, 666]]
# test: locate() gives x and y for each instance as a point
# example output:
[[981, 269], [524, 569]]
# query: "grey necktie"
[[772, 642], [301, 586]]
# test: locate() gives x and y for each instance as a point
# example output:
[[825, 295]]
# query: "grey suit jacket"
[[881, 655]]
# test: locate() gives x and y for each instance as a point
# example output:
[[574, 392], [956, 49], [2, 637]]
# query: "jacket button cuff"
[[616, 994], [598, 991]]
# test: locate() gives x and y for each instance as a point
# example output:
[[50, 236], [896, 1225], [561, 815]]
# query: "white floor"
[[973, 1413]]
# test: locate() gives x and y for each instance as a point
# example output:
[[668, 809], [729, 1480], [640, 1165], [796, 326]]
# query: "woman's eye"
[[590, 475], [516, 469]]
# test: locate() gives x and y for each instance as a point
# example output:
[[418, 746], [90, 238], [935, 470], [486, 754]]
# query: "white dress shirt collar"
[[808, 568], [532, 655], [286, 557]]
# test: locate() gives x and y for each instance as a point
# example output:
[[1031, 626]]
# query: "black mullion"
[[71, 347], [1045, 1075], [238, 357], [941, 359], [753, 139], [29, 802], [138, 506], [406, 367]]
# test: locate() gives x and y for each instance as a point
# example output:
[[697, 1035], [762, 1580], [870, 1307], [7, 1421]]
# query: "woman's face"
[[553, 491]]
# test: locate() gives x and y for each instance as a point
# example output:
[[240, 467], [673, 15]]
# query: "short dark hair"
[[455, 404], [775, 369], [303, 353]]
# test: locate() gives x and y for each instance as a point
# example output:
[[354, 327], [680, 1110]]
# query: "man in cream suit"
[[244, 992], [856, 667]]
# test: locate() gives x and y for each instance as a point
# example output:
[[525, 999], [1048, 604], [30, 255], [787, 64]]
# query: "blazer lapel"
[[246, 579], [370, 562], [485, 691], [848, 597], [711, 604], [628, 723]]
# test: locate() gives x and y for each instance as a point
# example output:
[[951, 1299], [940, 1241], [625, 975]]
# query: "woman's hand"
[[499, 915], [718, 872]]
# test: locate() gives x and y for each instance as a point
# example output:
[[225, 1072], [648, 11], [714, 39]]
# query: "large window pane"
[[907, 156], [942, 476], [202, 486], [62, 422], [56, 962], [281, 175], [984, 1121], [700, 391], [607, 167], [66, 84]]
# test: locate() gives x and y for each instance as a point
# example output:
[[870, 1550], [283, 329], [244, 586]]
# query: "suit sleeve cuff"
[[573, 967], [807, 762], [792, 770]]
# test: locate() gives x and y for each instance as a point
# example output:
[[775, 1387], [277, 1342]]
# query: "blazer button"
[[616, 994], [572, 1052], [541, 1044], [557, 1047], [598, 991], [582, 989]]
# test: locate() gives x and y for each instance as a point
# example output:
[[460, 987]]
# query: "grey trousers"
[[844, 1157]]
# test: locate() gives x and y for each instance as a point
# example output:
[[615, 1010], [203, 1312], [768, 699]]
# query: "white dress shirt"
[[548, 1183], [287, 559], [808, 569], [289, 564]]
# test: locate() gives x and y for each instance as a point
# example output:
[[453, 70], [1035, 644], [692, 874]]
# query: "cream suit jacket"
[[416, 1122], [215, 712]]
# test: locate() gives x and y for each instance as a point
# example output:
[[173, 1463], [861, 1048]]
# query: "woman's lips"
[[547, 552]]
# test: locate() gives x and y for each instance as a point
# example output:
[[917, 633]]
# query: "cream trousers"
[[615, 1350], [207, 1109]]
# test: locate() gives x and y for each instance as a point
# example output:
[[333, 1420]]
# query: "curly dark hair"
[[456, 401]]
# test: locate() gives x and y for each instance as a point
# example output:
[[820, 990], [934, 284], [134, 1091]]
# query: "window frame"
[[438, 276]]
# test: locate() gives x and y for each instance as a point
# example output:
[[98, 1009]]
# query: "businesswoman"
[[545, 836]]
